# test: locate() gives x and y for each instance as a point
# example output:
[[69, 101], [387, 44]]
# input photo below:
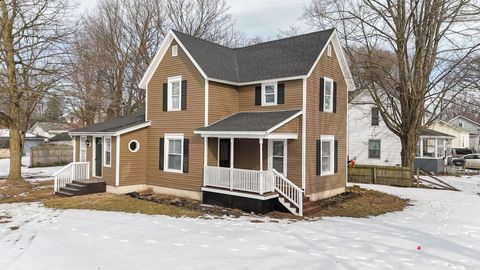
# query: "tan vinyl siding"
[[324, 123], [212, 152], [108, 173], [183, 122], [293, 98], [222, 101], [290, 127], [133, 165]]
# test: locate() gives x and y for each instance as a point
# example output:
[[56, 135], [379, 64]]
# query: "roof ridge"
[[281, 39], [205, 40]]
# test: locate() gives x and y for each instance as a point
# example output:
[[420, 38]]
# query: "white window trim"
[[285, 155], [275, 92], [325, 80], [329, 50], [331, 139], [94, 162], [166, 151], [380, 156], [138, 146], [83, 146], [175, 50], [105, 151], [169, 93]]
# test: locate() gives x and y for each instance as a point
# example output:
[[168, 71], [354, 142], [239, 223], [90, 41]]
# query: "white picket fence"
[[69, 173]]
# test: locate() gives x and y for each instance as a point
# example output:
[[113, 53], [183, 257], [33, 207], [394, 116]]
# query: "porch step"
[[82, 187], [292, 208]]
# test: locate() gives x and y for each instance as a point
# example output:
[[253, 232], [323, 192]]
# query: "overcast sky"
[[257, 17]]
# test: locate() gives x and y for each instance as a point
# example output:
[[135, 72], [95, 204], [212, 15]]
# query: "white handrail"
[[69, 173], [289, 190], [239, 179]]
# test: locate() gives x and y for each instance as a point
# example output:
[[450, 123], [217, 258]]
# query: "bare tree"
[[32, 35], [432, 43]]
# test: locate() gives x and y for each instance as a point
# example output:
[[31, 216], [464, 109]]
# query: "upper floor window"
[[269, 94], [174, 93], [329, 50], [328, 95], [375, 116], [174, 50], [460, 124]]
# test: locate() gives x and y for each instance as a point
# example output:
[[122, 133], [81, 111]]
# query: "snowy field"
[[30, 174], [441, 230]]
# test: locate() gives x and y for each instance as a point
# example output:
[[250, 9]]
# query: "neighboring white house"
[[461, 137], [371, 142], [472, 127], [49, 129]]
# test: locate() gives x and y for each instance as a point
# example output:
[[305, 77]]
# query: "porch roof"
[[434, 133], [114, 125], [251, 122]]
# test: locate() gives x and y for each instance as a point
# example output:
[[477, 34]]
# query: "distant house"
[[461, 137], [31, 140], [49, 129], [61, 139], [472, 127], [371, 142]]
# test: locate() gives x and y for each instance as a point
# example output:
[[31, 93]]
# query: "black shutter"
[[185, 155], [161, 154], [184, 95], [322, 86], [334, 97], [258, 95], [319, 158], [281, 93], [165, 97], [335, 157]]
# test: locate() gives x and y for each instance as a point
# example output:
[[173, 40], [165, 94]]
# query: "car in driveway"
[[470, 161]]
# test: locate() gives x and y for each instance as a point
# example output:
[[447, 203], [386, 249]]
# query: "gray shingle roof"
[[60, 137], [288, 57], [250, 121], [116, 124], [434, 133]]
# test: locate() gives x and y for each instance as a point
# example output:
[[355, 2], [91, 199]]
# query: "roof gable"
[[466, 119]]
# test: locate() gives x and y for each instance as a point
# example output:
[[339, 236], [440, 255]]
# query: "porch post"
[[232, 147], [260, 142], [205, 158]]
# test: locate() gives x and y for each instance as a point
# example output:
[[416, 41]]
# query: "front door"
[[98, 157], [224, 153]]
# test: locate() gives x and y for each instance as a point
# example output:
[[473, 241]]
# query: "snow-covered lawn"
[[30, 174], [444, 224]]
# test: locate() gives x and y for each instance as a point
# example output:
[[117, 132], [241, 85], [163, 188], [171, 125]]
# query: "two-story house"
[[472, 127], [258, 128]]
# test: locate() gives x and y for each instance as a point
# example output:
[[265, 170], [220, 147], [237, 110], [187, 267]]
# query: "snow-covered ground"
[[30, 174], [440, 230]]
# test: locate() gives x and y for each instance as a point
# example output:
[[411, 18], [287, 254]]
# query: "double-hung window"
[[327, 154], [174, 93], [107, 161], [174, 153], [375, 116], [83, 148], [374, 149], [269, 94], [328, 95]]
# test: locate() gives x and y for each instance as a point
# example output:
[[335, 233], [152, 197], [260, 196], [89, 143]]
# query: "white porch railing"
[[289, 191], [72, 171], [239, 179]]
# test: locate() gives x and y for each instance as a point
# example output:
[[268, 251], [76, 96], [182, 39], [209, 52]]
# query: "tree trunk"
[[15, 173], [409, 147]]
